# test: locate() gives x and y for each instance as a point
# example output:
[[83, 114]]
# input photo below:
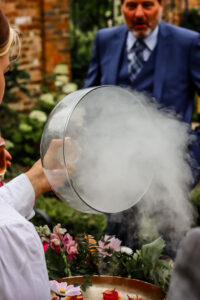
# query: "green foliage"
[[87, 14], [81, 50], [55, 265], [86, 18], [87, 283], [85, 263], [191, 19], [195, 199], [147, 265], [55, 269], [195, 196], [195, 115], [16, 79], [24, 130], [148, 231], [76, 222]]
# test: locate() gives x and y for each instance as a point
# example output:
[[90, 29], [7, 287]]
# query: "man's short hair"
[[122, 1]]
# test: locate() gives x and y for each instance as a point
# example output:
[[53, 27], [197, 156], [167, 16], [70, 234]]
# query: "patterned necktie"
[[137, 62]]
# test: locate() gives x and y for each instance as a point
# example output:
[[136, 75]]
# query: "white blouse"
[[23, 272]]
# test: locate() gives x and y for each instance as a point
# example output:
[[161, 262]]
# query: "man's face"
[[141, 16], [4, 66]]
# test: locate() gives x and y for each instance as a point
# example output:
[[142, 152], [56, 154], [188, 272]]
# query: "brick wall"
[[45, 38], [173, 9], [56, 33]]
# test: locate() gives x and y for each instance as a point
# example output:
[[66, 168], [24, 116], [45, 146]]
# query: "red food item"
[[80, 297], [110, 295]]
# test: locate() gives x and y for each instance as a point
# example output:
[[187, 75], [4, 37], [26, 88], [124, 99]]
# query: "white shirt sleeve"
[[19, 193], [23, 269]]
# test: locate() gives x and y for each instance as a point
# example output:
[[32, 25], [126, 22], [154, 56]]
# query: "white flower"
[[126, 250], [69, 88], [60, 97], [61, 69], [63, 289], [61, 80], [25, 127], [38, 115], [47, 98], [108, 13]]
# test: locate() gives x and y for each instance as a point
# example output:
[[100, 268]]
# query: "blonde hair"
[[12, 45]]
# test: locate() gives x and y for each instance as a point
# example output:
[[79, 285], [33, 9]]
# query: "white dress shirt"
[[23, 272], [150, 42]]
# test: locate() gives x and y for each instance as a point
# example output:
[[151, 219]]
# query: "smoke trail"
[[132, 149], [129, 151]]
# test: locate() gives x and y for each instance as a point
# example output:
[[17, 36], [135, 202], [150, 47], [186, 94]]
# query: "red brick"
[[46, 40]]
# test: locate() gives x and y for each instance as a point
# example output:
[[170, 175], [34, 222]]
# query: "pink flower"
[[45, 247], [55, 242], [71, 249], [63, 289], [109, 242], [67, 239], [59, 231], [70, 246]]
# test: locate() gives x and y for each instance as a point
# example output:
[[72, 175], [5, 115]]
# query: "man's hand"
[[38, 179]]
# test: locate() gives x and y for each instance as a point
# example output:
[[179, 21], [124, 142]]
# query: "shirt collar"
[[150, 40]]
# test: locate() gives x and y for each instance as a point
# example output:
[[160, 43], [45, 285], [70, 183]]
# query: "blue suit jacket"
[[177, 66]]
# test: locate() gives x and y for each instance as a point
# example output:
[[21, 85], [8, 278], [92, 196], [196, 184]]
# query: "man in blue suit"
[[171, 69], [165, 65]]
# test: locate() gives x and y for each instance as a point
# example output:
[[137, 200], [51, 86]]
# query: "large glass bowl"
[[92, 150]]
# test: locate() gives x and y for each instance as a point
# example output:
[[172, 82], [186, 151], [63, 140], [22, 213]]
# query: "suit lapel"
[[117, 47], [162, 59]]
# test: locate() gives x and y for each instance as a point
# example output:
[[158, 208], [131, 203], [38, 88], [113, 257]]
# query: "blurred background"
[[57, 39]]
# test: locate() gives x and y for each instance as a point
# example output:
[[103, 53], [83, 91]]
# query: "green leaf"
[[86, 284], [151, 252], [55, 264]]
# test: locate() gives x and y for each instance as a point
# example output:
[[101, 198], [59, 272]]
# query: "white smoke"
[[131, 150]]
